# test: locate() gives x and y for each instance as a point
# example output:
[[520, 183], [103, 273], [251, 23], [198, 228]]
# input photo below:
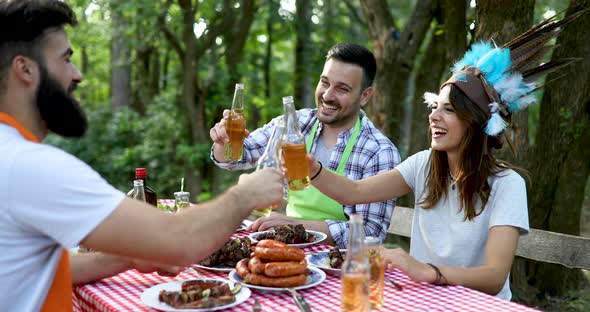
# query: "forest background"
[[158, 75]]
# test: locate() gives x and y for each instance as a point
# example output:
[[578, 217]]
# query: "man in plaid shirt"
[[345, 87]]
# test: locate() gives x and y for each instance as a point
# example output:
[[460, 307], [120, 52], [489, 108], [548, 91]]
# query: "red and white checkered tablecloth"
[[122, 293]]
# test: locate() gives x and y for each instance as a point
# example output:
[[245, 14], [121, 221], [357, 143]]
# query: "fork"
[[396, 285], [299, 300], [257, 307]]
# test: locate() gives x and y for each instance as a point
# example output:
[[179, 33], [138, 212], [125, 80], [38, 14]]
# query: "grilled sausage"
[[279, 254], [242, 268], [289, 281], [271, 243], [283, 269], [256, 266]]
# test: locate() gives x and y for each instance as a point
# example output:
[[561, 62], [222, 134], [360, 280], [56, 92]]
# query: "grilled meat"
[[232, 252], [289, 234], [198, 294]]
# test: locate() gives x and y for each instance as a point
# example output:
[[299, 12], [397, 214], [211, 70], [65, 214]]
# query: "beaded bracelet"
[[318, 173], [439, 275]]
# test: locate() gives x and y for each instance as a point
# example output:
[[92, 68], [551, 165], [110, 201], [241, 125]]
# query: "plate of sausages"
[[275, 266]]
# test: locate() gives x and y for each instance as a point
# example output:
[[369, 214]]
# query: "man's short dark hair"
[[23, 24], [356, 54]]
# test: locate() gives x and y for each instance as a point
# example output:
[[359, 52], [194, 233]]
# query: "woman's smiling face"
[[446, 129]]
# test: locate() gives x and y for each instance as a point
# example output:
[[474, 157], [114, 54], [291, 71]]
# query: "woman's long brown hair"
[[476, 162]]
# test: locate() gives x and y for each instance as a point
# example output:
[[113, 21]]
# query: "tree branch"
[[168, 34], [355, 13], [227, 17]]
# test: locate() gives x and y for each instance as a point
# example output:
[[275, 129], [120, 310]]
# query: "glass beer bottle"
[[293, 149], [235, 126], [355, 272], [270, 158]]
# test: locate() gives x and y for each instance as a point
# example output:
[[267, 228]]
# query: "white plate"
[[319, 236], [150, 296], [322, 261], [216, 268], [313, 279]]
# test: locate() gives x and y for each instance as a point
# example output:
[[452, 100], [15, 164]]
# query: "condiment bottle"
[[150, 195], [138, 190]]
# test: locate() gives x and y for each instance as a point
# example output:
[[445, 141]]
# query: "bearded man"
[[52, 201], [340, 135]]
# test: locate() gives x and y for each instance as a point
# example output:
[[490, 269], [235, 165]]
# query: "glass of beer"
[[235, 127], [377, 268]]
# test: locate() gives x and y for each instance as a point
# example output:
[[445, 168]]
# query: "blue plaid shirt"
[[373, 153]]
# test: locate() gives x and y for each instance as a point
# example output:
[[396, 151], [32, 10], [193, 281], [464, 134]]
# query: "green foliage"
[[118, 142]]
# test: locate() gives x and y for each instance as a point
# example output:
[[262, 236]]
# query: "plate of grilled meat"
[[195, 295]]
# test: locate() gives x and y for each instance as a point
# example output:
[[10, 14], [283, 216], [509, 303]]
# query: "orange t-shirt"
[[59, 297]]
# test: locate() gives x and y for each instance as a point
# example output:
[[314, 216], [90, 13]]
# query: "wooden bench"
[[545, 246]]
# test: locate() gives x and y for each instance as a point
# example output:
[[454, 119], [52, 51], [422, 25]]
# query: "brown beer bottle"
[[235, 127], [293, 149], [150, 195]]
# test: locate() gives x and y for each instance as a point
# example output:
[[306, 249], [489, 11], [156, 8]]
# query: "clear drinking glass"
[[181, 200], [377, 264]]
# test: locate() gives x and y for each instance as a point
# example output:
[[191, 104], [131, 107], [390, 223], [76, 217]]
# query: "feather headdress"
[[501, 80]]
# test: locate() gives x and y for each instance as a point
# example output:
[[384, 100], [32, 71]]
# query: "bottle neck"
[[292, 131], [356, 245], [238, 101]]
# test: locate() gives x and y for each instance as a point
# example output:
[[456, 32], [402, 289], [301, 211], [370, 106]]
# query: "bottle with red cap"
[[150, 195]]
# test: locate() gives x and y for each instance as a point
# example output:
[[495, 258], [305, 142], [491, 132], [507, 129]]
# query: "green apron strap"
[[311, 204], [349, 146]]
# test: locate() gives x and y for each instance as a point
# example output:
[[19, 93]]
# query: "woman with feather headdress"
[[470, 207]]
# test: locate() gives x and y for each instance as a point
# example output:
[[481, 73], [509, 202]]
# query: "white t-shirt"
[[50, 200], [439, 234]]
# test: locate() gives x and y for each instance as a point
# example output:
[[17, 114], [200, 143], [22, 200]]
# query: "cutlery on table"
[[299, 300], [257, 307], [398, 286]]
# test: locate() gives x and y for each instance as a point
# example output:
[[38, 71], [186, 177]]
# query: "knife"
[[300, 301]]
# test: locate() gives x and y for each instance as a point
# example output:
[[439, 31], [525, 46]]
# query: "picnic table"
[[122, 293]]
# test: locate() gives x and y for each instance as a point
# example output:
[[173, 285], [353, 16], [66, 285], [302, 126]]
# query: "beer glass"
[[377, 264]]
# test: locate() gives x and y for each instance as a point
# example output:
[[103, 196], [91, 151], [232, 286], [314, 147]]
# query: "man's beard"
[[60, 111], [340, 118]]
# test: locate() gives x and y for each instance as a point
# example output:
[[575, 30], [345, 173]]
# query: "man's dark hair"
[[355, 54], [23, 24]]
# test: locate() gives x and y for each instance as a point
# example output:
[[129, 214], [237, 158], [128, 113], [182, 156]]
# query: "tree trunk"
[[120, 59], [434, 65], [304, 94], [502, 20], [559, 160], [395, 59]]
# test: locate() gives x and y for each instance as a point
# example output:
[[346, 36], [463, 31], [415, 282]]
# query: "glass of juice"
[[181, 200], [374, 250]]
